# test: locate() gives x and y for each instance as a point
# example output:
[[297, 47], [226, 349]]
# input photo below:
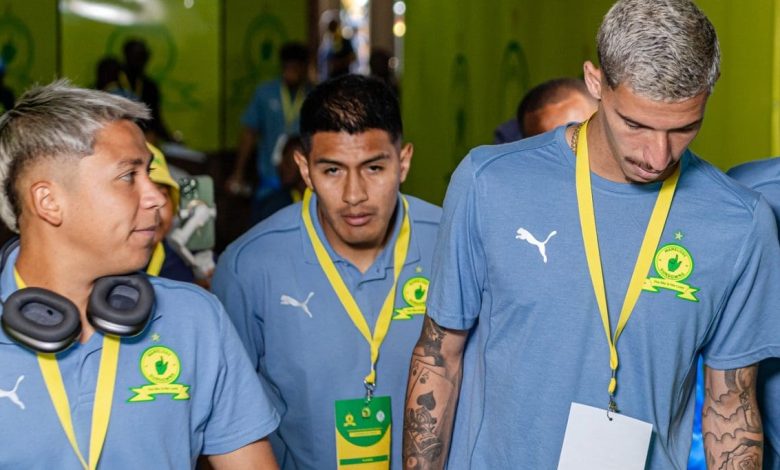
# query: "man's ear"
[[407, 151], [593, 79], [44, 202], [303, 167]]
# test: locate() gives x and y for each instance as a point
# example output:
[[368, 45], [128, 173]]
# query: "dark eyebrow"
[[645, 126], [374, 159]]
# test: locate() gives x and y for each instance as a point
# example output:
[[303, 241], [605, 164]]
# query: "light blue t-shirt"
[[265, 115], [301, 339], [225, 411], [511, 266], [764, 177]]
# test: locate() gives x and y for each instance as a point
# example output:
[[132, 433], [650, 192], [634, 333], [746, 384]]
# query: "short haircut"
[[352, 104], [664, 50], [293, 52], [54, 122], [547, 93]]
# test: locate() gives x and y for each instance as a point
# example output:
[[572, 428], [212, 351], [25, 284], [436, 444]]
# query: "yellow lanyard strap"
[[104, 395], [383, 322], [156, 263], [652, 236], [291, 109]]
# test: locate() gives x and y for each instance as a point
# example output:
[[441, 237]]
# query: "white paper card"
[[593, 442]]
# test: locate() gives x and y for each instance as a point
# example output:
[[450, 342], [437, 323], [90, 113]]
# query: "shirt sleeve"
[[241, 411], [230, 290], [748, 327], [458, 271]]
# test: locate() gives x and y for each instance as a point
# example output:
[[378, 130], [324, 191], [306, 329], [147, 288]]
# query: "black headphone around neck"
[[45, 321]]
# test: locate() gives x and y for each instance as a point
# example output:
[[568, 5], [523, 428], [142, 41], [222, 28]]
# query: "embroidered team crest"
[[674, 264], [415, 293], [161, 367]]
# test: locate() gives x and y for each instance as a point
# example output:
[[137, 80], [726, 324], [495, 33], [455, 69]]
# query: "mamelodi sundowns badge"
[[363, 430]]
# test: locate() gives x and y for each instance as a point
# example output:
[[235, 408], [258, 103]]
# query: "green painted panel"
[[28, 42], [255, 31], [183, 37]]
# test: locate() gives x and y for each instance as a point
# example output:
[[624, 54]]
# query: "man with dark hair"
[[271, 116], [546, 106], [578, 275], [554, 103], [328, 294], [100, 368], [134, 81]]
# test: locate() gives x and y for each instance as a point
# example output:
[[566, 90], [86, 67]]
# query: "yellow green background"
[[466, 65]]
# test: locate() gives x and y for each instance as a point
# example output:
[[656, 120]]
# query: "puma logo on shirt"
[[523, 234], [287, 300], [11, 394]]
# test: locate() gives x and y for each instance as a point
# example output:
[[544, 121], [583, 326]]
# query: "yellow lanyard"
[[104, 394], [650, 242], [291, 109], [156, 263], [383, 322]]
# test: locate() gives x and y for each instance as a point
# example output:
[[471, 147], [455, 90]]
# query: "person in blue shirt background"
[[764, 176], [272, 115], [352, 228], [142, 372]]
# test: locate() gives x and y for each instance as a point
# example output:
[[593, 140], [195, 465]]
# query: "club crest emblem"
[[673, 264], [414, 293], [161, 367]]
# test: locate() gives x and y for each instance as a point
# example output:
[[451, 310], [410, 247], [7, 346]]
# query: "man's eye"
[[129, 177], [375, 168], [632, 125], [331, 170]]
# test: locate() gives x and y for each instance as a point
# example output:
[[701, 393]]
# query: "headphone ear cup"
[[121, 305], [41, 320]]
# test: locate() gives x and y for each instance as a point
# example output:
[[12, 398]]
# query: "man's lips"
[[358, 219], [146, 231]]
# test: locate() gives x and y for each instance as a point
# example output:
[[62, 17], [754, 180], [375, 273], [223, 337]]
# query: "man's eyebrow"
[[374, 159], [640, 124], [132, 162]]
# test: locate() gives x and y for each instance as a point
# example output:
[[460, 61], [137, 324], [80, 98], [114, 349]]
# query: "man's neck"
[[43, 268], [600, 157]]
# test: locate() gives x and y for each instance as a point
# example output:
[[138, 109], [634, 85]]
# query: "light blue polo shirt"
[[764, 177], [299, 336], [225, 411], [537, 343], [265, 115]]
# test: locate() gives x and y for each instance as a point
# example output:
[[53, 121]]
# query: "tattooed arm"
[[731, 423], [431, 395]]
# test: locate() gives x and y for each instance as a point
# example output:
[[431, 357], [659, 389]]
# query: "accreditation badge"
[[363, 430], [598, 440]]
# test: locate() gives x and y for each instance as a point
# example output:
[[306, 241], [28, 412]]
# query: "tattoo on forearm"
[[430, 396], [731, 423]]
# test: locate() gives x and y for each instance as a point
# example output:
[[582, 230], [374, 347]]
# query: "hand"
[[235, 185]]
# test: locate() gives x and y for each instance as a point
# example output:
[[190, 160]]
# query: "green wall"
[[207, 56], [28, 45], [467, 65], [184, 44]]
